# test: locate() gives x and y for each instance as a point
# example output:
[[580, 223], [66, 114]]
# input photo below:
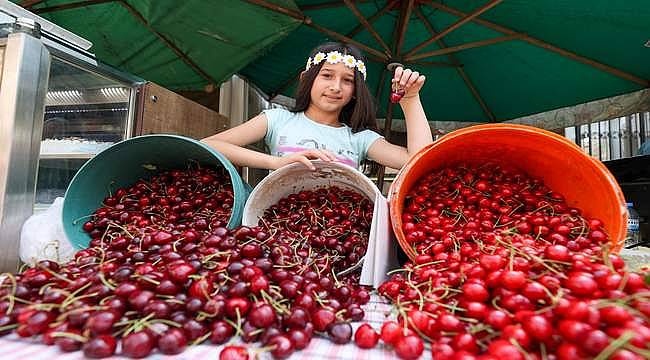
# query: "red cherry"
[[233, 352], [409, 347], [366, 337]]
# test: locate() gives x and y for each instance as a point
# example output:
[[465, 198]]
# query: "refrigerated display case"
[[85, 113]]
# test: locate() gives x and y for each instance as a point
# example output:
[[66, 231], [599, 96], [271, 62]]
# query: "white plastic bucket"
[[381, 253], [296, 177]]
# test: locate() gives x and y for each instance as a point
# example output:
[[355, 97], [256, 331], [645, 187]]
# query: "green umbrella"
[[485, 61], [180, 44]]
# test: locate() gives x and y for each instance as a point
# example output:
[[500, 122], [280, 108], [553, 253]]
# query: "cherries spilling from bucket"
[[505, 268], [163, 273]]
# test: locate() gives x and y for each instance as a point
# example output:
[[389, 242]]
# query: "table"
[[378, 310]]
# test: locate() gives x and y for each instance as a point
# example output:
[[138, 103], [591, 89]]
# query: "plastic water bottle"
[[633, 234]]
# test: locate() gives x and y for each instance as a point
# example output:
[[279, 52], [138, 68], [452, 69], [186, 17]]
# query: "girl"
[[333, 120]]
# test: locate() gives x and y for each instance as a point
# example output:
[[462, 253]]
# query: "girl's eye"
[[348, 80]]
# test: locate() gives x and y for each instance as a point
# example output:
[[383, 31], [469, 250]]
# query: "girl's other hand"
[[409, 80], [304, 157]]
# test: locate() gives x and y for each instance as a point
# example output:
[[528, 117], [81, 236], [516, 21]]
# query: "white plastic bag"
[[381, 256], [42, 237]]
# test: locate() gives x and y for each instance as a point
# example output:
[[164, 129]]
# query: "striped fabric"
[[377, 311]]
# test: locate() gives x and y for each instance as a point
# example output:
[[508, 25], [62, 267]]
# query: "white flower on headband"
[[362, 68], [334, 57], [308, 64], [318, 58], [349, 61]]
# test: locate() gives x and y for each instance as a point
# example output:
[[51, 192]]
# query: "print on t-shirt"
[[342, 155]]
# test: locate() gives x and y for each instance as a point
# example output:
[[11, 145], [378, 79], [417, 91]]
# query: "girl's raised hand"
[[304, 157], [409, 80]]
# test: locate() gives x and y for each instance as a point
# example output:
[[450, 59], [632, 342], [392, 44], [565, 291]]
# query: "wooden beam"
[[168, 43], [277, 8], [452, 58], [27, 4], [348, 40], [69, 6], [540, 43], [434, 63], [471, 45], [405, 16], [470, 85], [366, 24], [309, 22], [454, 26], [328, 4], [389, 5]]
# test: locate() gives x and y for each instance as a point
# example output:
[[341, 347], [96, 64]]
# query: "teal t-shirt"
[[288, 132]]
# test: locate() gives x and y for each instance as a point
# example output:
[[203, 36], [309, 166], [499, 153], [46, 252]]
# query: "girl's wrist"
[[273, 162], [407, 99]]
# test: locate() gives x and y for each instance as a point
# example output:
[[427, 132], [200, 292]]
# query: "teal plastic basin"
[[124, 163]]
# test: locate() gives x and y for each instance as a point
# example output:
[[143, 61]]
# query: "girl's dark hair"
[[360, 113]]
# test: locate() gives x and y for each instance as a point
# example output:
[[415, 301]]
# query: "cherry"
[[233, 352], [581, 284], [180, 272], [513, 280], [390, 332], [503, 349], [538, 327], [297, 319], [282, 346], [101, 322], [38, 321], [409, 347], [262, 316], [194, 329], [396, 96], [475, 292], [99, 347], [340, 333], [299, 338], [69, 342], [322, 319], [173, 341], [140, 298], [366, 337], [221, 332], [138, 344], [237, 307], [595, 342]]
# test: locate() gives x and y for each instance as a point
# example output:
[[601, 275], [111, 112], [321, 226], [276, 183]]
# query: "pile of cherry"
[[162, 273], [506, 270], [325, 226]]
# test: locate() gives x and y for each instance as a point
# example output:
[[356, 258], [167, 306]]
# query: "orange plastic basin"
[[585, 182]]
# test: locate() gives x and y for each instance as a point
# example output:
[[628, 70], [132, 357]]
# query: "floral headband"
[[334, 57]]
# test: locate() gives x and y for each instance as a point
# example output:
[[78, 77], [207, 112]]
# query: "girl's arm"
[[418, 132], [231, 144]]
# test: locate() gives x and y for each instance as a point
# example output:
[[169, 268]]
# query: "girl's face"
[[333, 87]]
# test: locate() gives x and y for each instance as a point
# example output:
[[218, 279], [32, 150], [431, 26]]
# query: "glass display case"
[[85, 112]]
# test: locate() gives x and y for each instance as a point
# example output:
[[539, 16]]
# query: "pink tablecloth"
[[377, 311]]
